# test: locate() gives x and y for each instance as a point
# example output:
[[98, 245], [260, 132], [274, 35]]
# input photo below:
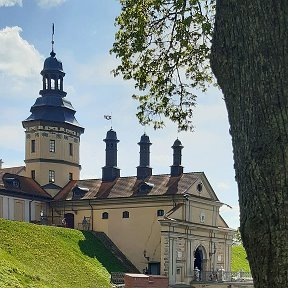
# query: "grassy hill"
[[239, 261], [41, 256]]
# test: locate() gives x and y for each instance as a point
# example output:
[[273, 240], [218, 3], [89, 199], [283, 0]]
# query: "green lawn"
[[239, 261], [41, 256]]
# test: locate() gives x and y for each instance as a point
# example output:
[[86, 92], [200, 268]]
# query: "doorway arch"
[[69, 218], [199, 256]]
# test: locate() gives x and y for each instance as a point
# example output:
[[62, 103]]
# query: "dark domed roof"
[[144, 139], [52, 63], [177, 143], [53, 109], [111, 135], [51, 105]]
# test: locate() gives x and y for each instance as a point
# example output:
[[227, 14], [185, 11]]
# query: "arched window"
[[105, 215], [45, 83], [125, 214], [160, 212]]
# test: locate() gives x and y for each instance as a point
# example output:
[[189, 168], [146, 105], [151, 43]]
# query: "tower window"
[[53, 84], [70, 149], [70, 176], [160, 212], [33, 146], [105, 215], [33, 174], [52, 146], [125, 214], [51, 176], [46, 83]]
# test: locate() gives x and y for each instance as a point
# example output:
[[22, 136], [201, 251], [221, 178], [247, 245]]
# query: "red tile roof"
[[14, 184], [155, 185]]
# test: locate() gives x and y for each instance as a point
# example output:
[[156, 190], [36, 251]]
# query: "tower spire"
[[52, 42]]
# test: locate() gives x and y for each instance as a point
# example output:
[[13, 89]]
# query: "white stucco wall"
[[8, 203]]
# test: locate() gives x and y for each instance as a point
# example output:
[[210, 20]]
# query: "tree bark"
[[250, 60]]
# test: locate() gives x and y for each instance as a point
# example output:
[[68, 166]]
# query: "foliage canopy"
[[164, 46]]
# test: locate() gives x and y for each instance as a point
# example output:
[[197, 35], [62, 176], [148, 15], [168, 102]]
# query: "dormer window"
[[12, 182], [145, 187], [16, 183], [79, 192]]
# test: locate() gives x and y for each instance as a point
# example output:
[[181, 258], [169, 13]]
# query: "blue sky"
[[84, 34]]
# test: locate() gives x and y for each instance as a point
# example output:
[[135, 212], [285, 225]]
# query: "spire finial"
[[52, 42], [52, 37]]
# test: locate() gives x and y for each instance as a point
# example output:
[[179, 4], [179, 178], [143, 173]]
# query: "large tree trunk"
[[250, 60]]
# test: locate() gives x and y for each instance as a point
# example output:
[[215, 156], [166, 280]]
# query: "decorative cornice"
[[39, 125], [44, 160]]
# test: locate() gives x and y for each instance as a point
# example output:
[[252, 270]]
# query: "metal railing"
[[117, 278], [222, 276]]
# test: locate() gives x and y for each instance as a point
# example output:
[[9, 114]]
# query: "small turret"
[[110, 170], [144, 170], [176, 168]]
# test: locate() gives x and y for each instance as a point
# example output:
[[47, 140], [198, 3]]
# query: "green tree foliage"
[[239, 260], [164, 45]]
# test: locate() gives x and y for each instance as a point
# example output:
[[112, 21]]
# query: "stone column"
[[172, 261]]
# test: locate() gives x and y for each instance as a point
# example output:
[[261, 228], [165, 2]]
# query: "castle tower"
[[110, 170], [52, 132], [144, 170], [176, 168]]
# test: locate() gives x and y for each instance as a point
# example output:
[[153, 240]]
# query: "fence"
[[117, 278], [222, 276]]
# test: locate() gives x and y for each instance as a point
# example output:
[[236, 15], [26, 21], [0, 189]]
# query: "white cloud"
[[49, 3], [9, 3], [18, 58], [223, 186], [231, 215]]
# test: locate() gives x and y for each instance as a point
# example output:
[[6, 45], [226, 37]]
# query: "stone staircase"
[[107, 242]]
